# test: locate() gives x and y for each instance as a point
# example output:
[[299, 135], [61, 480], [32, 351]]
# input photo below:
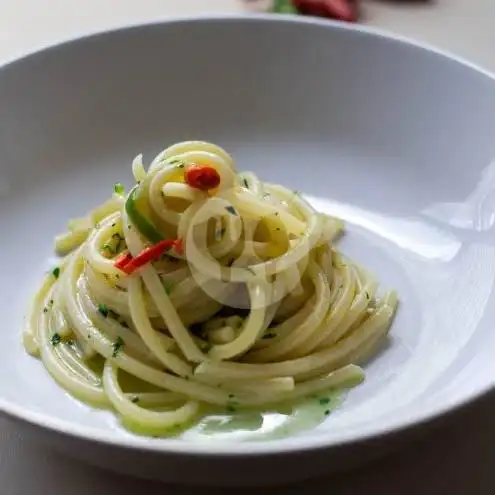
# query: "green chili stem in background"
[[284, 7]]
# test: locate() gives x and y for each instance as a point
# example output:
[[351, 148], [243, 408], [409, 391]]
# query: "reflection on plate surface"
[[476, 212]]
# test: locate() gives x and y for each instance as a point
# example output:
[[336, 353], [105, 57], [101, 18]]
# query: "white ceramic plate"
[[396, 139]]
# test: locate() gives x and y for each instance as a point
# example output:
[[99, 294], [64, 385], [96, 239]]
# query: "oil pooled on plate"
[[255, 425]]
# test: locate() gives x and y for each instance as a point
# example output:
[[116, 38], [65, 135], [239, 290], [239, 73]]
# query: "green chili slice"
[[143, 224]]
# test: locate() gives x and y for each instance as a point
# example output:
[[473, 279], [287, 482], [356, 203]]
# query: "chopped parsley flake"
[[178, 162], [231, 210], [56, 339], [103, 309], [56, 272], [367, 296], [278, 229], [167, 287], [327, 412], [135, 400], [48, 306], [109, 248], [269, 335], [230, 409], [250, 270], [245, 183], [231, 396], [119, 189], [117, 346], [114, 224], [113, 314], [219, 233], [324, 401]]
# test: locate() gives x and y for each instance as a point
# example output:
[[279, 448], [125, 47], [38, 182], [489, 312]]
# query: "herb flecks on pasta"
[[198, 285]]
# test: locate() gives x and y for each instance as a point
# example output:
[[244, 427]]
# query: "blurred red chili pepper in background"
[[343, 10]]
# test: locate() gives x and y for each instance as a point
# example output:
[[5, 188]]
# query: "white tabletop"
[[458, 459]]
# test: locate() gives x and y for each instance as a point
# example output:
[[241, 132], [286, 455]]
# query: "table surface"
[[457, 459]]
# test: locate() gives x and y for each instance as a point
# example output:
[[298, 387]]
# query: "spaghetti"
[[203, 288]]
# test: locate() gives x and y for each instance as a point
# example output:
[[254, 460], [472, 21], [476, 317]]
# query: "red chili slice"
[[123, 260], [128, 264], [148, 255], [202, 177], [179, 246]]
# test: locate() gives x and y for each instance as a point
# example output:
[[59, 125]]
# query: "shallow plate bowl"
[[396, 139]]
